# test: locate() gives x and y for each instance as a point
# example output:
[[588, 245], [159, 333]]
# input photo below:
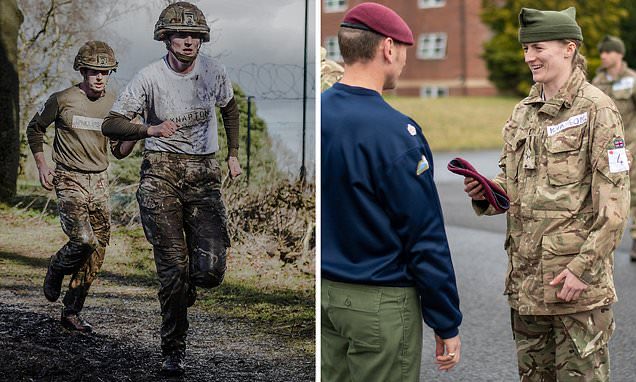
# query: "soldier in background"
[[179, 192], [617, 80], [564, 168], [330, 71], [79, 178]]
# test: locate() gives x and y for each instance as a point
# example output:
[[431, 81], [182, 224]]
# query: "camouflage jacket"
[[330, 71], [568, 203], [622, 91]]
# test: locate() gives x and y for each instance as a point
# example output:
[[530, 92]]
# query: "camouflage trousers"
[[83, 204], [184, 219], [564, 348], [632, 192]]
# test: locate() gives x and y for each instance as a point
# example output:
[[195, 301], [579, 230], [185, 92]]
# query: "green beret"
[[536, 25], [611, 44]]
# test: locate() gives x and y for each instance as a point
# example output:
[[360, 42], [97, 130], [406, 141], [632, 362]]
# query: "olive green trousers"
[[369, 333]]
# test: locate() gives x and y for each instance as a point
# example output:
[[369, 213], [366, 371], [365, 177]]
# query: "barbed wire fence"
[[277, 90]]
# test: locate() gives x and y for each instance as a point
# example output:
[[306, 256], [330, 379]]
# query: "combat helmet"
[[181, 17], [95, 55]]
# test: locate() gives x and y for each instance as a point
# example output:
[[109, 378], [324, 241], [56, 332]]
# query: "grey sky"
[[261, 44]]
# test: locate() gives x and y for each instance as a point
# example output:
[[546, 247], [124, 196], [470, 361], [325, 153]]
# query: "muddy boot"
[[73, 321], [191, 295], [632, 255], [173, 365], [52, 282]]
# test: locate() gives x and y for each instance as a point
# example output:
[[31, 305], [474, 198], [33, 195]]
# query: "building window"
[[433, 91], [431, 3], [333, 49], [331, 6], [431, 46]]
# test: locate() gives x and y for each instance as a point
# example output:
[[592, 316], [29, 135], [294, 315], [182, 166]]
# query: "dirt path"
[[125, 342], [125, 345]]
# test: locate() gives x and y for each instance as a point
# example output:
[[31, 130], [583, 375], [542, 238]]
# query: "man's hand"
[[46, 176], [45, 172], [473, 188], [164, 129], [234, 166], [447, 352], [121, 149], [126, 147], [572, 286]]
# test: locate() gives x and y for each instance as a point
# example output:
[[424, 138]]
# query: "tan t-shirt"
[[79, 143]]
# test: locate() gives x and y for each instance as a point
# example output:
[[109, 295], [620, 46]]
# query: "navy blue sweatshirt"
[[381, 218]]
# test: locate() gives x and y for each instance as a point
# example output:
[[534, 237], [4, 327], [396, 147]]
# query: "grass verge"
[[268, 294], [459, 123]]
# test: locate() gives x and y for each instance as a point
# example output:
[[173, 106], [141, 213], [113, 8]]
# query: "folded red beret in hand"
[[495, 195]]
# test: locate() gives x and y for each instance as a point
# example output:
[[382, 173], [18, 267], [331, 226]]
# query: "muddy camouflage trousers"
[[564, 348], [83, 204], [632, 193], [184, 219]]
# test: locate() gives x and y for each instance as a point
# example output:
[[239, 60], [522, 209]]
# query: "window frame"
[[330, 43], [432, 36], [436, 91], [334, 6], [428, 4]]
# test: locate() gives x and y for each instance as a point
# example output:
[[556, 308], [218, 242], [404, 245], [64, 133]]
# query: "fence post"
[[249, 134], [303, 170]]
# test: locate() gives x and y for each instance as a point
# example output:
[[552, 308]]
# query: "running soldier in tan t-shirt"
[[79, 178]]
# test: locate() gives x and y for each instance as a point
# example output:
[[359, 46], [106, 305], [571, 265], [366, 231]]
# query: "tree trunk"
[[10, 20]]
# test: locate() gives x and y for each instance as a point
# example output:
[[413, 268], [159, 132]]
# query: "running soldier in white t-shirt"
[[179, 192]]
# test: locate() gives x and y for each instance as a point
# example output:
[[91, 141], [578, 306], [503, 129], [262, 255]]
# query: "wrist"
[[144, 131], [40, 164]]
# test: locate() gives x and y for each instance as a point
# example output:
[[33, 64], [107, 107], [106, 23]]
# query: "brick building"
[[446, 58]]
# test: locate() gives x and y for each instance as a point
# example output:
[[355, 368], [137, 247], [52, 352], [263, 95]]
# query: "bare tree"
[[52, 33], [10, 20]]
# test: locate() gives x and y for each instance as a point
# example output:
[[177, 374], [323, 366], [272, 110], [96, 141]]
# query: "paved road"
[[480, 264]]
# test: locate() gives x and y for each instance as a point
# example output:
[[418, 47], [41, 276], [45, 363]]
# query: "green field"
[[458, 123]]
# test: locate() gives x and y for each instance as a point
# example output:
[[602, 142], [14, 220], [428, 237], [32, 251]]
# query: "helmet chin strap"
[[182, 57]]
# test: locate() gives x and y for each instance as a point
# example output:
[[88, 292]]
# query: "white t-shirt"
[[158, 93]]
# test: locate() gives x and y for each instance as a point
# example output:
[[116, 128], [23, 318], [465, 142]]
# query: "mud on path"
[[125, 344]]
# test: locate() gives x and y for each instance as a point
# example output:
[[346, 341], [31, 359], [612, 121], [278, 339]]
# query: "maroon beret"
[[379, 19], [494, 194]]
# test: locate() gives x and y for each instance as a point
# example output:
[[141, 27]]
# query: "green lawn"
[[459, 123]]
